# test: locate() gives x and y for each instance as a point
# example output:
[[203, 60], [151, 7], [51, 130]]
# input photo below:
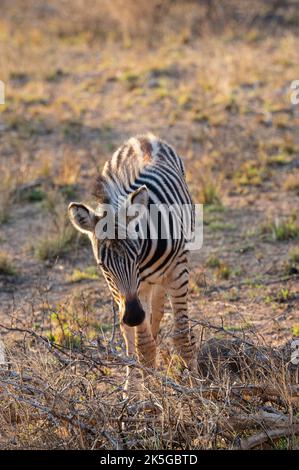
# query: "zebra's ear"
[[140, 196], [137, 203], [82, 217]]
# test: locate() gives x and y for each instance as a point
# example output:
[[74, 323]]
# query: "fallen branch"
[[262, 437], [240, 422], [261, 390]]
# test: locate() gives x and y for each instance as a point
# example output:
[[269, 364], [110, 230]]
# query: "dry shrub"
[[53, 396]]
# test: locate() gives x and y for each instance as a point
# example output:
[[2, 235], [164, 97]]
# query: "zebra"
[[141, 272]]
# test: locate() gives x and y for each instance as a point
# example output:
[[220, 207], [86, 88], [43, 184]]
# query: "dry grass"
[[291, 183], [209, 192], [6, 196], [58, 237], [67, 393], [50, 247]]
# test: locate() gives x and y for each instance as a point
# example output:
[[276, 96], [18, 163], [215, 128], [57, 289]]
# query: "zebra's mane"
[[124, 167], [100, 190]]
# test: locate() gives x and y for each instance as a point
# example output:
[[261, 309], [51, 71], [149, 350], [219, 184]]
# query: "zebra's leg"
[[129, 337], [183, 338], [144, 341], [157, 308], [145, 345], [139, 344], [146, 352]]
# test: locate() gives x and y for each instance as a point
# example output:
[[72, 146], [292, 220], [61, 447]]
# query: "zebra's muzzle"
[[134, 313]]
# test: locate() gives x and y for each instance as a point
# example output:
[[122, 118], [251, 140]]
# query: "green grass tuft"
[[35, 195], [49, 248], [7, 267], [213, 262], [219, 226], [90, 274], [281, 230]]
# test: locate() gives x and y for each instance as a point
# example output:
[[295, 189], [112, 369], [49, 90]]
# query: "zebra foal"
[[141, 270]]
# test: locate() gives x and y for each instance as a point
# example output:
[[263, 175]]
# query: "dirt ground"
[[222, 102], [222, 99]]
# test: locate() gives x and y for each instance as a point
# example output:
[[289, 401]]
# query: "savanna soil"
[[222, 101]]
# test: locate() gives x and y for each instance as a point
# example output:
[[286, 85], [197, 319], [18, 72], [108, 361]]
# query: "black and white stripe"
[[141, 272], [149, 161]]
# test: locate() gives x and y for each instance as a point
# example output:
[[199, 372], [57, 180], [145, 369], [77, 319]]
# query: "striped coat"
[[140, 272]]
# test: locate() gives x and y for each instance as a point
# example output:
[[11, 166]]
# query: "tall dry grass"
[[129, 20]]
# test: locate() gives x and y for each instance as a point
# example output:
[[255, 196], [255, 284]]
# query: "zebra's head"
[[118, 257]]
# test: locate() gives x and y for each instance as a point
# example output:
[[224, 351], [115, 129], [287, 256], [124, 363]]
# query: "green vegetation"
[[246, 248], [89, 274], [68, 191], [213, 262], [241, 327], [281, 229], [7, 267], [27, 129], [251, 173], [62, 333], [50, 247], [209, 193], [282, 295], [295, 330], [35, 195], [279, 160], [223, 271], [219, 226], [294, 255], [72, 129], [130, 79], [292, 264]]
